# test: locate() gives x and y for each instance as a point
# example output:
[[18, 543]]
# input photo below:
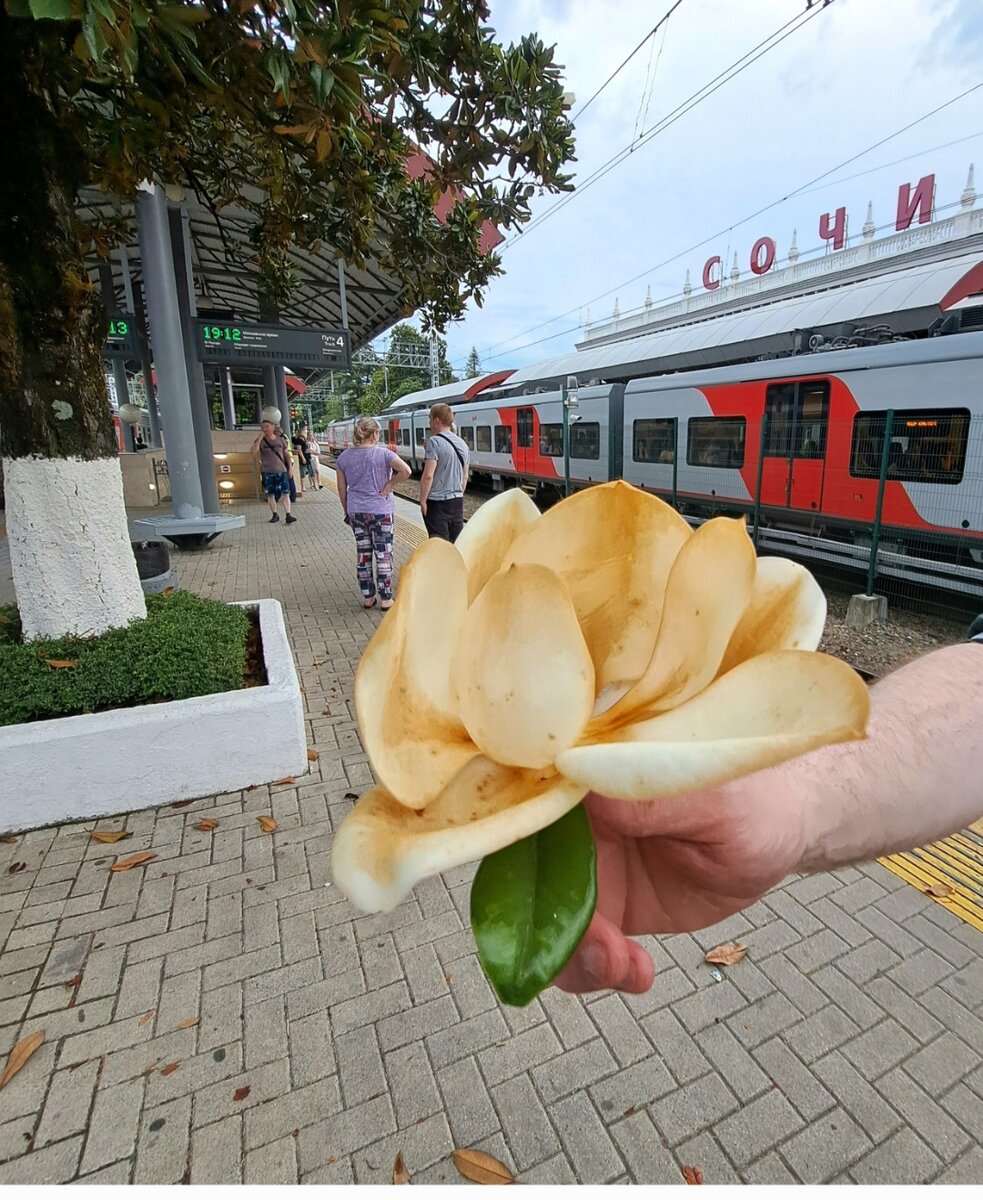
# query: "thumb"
[[605, 958]]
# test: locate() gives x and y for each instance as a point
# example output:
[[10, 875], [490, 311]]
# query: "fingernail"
[[597, 963]]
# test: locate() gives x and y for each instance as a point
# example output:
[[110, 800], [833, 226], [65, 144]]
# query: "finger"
[[605, 958]]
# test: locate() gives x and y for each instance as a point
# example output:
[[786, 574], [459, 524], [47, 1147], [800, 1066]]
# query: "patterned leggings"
[[374, 535]]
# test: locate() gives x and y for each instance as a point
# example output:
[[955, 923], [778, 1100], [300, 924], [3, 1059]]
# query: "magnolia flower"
[[600, 646]]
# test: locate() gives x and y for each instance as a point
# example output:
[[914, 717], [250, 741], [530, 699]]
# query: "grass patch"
[[186, 647]]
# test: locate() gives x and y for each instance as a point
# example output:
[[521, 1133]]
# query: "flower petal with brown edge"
[[769, 709], [613, 546], [787, 612], [407, 709], [522, 672], [709, 589], [383, 849], [485, 540]]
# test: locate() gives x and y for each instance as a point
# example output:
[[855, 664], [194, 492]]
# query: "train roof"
[[458, 392], [908, 300]]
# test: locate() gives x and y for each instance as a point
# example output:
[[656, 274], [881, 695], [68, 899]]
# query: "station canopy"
[[451, 393], [908, 300], [225, 276]]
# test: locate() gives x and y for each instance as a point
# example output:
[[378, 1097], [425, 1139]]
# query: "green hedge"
[[186, 647]]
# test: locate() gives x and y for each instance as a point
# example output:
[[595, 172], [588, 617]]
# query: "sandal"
[[371, 603], [387, 606]]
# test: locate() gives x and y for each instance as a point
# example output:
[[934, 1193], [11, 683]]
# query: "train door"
[[795, 445], [392, 434], [523, 452]]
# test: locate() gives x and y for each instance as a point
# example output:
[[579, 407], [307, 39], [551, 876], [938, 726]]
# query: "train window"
[[483, 438], [927, 446], [421, 435], [715, 441], [551, 441], [467, 436], [406, 437], [523, 427], [585, 439], [503, 439], [798, 414], [654, 440]]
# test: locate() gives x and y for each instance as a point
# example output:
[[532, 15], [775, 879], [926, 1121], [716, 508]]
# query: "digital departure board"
[[265, 345], [121, 340]]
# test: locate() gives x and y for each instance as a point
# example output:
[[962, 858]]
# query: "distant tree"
[[300, 114], [472, 367]]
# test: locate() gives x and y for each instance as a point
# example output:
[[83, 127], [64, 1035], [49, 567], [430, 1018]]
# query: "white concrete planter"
[[97, 764]]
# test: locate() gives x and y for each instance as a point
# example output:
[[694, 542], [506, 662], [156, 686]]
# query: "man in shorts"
[[445, 477], [270, 448]]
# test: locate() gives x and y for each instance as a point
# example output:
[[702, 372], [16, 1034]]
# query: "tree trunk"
[[74, 571]]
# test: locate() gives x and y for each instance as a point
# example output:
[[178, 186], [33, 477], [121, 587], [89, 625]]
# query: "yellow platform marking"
[[956, 861]]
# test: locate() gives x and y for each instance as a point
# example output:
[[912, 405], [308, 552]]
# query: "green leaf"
[[51, 10], [530, 906]]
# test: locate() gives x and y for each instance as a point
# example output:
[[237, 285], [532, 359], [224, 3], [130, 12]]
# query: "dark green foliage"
[[186, 647]]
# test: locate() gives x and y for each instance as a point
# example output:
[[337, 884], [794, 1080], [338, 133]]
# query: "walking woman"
[[366, 475]]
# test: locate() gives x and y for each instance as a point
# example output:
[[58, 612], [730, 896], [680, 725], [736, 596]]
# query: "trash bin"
[[152, 558]]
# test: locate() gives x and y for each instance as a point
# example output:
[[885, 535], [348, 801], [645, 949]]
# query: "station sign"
[[272, 345], [122, 340]]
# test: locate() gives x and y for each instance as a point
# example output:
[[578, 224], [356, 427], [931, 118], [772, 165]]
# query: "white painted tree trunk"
[[73, 566]]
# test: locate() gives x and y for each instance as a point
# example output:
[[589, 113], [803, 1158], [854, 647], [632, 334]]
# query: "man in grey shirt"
[[445, 477]]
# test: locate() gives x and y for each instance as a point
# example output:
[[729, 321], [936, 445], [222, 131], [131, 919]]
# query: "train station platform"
[[224, 1016]]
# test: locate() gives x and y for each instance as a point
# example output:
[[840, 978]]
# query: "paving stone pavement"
[[222, 1015]]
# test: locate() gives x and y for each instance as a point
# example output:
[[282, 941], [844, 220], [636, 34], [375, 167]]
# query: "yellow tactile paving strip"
[[957, 862]]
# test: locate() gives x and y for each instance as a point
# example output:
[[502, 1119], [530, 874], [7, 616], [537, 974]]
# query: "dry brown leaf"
[[207, 825], [190, 1023], [8, 840], [135, 860], [481, 1168], [170, 1068], [16, 868], [312, 756], [286, 779], [147, 1016], [182, 803], [19, 1056], [61, 663], [400, 1173], [74, 981], [167, 591], [693, 1174], [940, 890], [318, 663], [241, 1093], [727, 954], [267, 824], [107, 837]]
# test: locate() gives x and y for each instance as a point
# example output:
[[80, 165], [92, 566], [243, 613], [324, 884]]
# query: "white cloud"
[[855, 73]]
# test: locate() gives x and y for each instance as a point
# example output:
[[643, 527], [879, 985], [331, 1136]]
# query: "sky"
[[854, 73]]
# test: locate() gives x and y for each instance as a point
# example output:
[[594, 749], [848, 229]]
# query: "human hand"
[[423, 508], [678, 864]]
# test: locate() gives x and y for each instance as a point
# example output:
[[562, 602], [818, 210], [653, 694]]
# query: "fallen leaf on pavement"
[[312, 756], [318, 663], [8, 840], [169, 1069], [147, 1016], [285, 780], [61, 663], [190, 1023], [692, 1174], [241, 1093], [19, 1056], [74, 981], [727, 954], [16, 868], [941, 890], [400, 1173], [481, 1168], [267, 824], [108, 837], [135, 860], [207, 825]]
